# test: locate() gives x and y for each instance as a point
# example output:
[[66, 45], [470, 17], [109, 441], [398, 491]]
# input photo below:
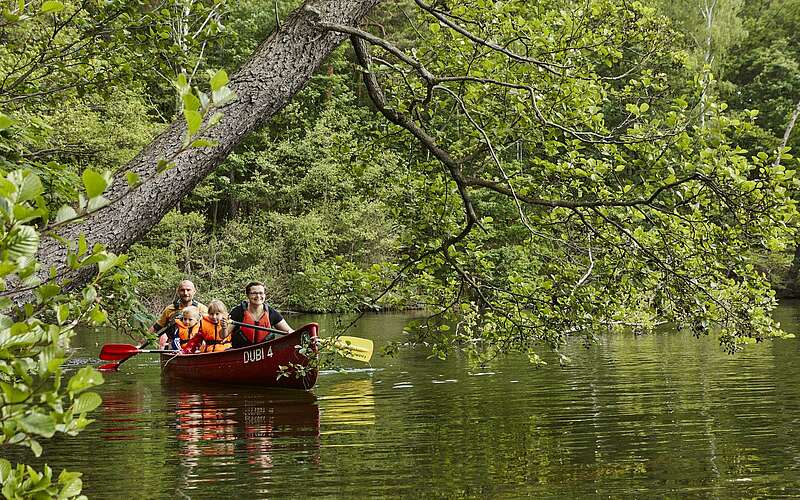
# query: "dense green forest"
[[523, 171]]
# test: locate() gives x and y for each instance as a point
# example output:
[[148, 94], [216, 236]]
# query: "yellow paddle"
[[354, 347]]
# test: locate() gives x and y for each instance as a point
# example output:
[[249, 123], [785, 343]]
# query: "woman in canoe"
[[213, 335], [255, 311]]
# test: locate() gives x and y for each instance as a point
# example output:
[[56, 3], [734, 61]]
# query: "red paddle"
[[108, 367], [117, 352]]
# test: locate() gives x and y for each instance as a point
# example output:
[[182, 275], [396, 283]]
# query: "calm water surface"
[[659, 415]]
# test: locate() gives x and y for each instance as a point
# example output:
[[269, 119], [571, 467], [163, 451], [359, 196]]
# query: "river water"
[[633, 416]]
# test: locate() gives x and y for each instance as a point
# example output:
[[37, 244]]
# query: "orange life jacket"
[[252, 335], [183, 332], [213, 336]]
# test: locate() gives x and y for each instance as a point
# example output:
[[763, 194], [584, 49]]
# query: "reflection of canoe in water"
[[238, 424], [259, 364]]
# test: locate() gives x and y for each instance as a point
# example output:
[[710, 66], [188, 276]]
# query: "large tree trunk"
[[277, 70]]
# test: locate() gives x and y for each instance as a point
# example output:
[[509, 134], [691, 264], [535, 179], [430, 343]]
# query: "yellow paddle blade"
[[355, 347]]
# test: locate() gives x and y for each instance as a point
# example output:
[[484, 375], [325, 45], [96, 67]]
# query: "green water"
[[658, 415]]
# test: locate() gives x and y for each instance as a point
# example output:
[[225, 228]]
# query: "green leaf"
[[193, 120], [48, 291], [24, 213], [30, 188], [219, 80], [85, 378], [39, 424], [51, 6], [36, 448], [5, 470], [182, 82], [98, 315], [164, 165], [108, 263], [94, 182], [62, 313], [6, 121], [222, 96], [83, 247], [7, 188], [132, 178], [89, 293], [190, 102], [12, 394], [22, 242], [72, 485], [66, 212], [215, 118], [87, 401], [204, 143]]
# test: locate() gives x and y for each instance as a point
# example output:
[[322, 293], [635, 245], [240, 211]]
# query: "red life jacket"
[[213, 336], [252, 335]]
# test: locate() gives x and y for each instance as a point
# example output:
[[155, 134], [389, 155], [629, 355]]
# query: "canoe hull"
[[258, 364]]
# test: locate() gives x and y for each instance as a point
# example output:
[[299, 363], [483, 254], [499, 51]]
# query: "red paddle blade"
[[115, 352]]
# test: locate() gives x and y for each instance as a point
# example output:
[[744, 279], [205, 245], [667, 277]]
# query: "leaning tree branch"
[[379, 99], [277, 70], [787, 134]]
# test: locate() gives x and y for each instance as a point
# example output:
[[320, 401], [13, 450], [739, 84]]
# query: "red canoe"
[[257, 364]]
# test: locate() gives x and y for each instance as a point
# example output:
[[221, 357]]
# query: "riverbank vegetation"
[[524, 172]]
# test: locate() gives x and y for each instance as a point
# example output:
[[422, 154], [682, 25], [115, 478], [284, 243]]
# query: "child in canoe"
[[187, 325], [211, 336]]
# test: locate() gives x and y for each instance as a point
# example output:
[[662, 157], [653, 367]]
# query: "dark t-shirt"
[[237, 314]]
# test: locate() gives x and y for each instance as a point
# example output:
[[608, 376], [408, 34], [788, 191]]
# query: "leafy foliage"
[[576, 194], [36, 402], [68, 118]]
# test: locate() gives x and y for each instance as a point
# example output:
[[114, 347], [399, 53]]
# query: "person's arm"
[[158, 325], [283, 326], [277, 321], [193, 344], [162, 321]]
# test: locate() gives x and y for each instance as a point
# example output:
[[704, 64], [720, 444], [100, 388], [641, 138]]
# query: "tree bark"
[[793, 275], [276, 71]]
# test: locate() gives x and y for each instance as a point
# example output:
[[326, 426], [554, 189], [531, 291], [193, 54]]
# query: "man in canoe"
[[255, 311], [185, 292]]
